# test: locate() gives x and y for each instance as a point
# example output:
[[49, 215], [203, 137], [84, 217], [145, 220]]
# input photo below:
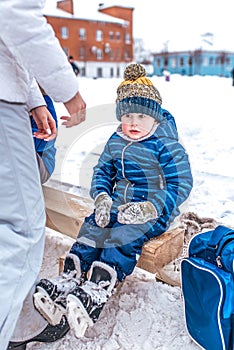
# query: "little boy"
[[141, 179]]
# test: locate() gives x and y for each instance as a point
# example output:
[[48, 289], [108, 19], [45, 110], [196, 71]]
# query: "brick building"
[[100, 42]]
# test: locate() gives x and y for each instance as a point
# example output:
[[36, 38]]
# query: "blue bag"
[[207, 277]]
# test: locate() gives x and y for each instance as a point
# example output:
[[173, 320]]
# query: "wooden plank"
[[66, 212], [160, 251]]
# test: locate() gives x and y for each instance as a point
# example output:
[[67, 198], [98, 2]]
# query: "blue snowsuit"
[[154, 169]]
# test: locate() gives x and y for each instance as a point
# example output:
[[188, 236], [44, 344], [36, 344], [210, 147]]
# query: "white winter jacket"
[[28, 48]]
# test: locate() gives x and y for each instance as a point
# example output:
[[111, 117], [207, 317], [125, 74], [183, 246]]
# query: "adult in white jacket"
[[28, 49]]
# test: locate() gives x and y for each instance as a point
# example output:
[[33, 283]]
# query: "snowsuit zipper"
[[123, 172]]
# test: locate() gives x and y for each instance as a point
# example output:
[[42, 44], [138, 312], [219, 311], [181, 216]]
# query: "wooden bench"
[[66, 212]]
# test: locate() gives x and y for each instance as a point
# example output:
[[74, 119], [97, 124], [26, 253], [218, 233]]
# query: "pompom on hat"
[[137, 94]]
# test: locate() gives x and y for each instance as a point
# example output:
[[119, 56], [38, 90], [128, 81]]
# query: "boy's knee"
[[122, 262]]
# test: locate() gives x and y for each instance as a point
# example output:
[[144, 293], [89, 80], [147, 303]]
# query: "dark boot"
[[50, 298], [49, 335], [86, 302]]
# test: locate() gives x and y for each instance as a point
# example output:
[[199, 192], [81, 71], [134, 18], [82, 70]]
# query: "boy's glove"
[[103, 205], [136, 213]]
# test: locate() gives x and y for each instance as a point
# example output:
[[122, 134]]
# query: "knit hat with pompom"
[[137, 94]]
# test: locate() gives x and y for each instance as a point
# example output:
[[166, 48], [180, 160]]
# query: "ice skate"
[[48, 335], [50, 296], [86, 302]]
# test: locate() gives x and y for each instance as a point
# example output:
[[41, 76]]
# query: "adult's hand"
[[77, 110], [45, 123]]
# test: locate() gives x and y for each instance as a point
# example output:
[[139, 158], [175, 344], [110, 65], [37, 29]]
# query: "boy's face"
[[136, 125]]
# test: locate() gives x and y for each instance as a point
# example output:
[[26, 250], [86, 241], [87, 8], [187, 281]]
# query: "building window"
[[111, 72], [217, 61], [222, 58], [99, 72], [83, 72], [111, 36], [205, 62], [82, 33], [117, 35], [173, 62], [190, 61], [127, 38], [158, 62], [107, 48], [126, 55], [64, 32], [99, 35], [181, 61], [211, 61], [81, 53], [111, 55], [118, 55], [99, 54], [165, 62]]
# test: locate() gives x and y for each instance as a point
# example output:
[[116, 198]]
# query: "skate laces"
[[65, 283], [97, 292], [69, 275]]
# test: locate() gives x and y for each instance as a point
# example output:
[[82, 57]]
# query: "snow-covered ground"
[[144, 314]]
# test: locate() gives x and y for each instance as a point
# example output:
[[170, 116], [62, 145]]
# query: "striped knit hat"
[[137, 94]]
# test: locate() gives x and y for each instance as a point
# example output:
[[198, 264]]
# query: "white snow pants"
[[22, 216], [30, 322]]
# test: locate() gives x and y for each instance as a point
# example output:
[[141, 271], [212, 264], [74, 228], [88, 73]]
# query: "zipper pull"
[[218, 261]]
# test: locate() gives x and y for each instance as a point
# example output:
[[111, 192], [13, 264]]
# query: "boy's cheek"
[[125, 127]]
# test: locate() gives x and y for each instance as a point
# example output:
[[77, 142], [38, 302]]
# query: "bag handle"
[[218, 233]]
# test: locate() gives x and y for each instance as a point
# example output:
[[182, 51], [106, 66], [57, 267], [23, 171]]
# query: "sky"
[[146, 315], [179, 23]]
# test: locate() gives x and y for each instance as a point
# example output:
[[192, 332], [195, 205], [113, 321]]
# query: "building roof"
[[188, 52], [91, 14]]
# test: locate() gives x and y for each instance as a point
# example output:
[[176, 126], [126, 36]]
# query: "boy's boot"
[[85, 303], [50, 334], [50, 296]]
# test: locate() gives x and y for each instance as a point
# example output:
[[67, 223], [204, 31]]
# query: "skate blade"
[[52, 312], [77, 316]]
